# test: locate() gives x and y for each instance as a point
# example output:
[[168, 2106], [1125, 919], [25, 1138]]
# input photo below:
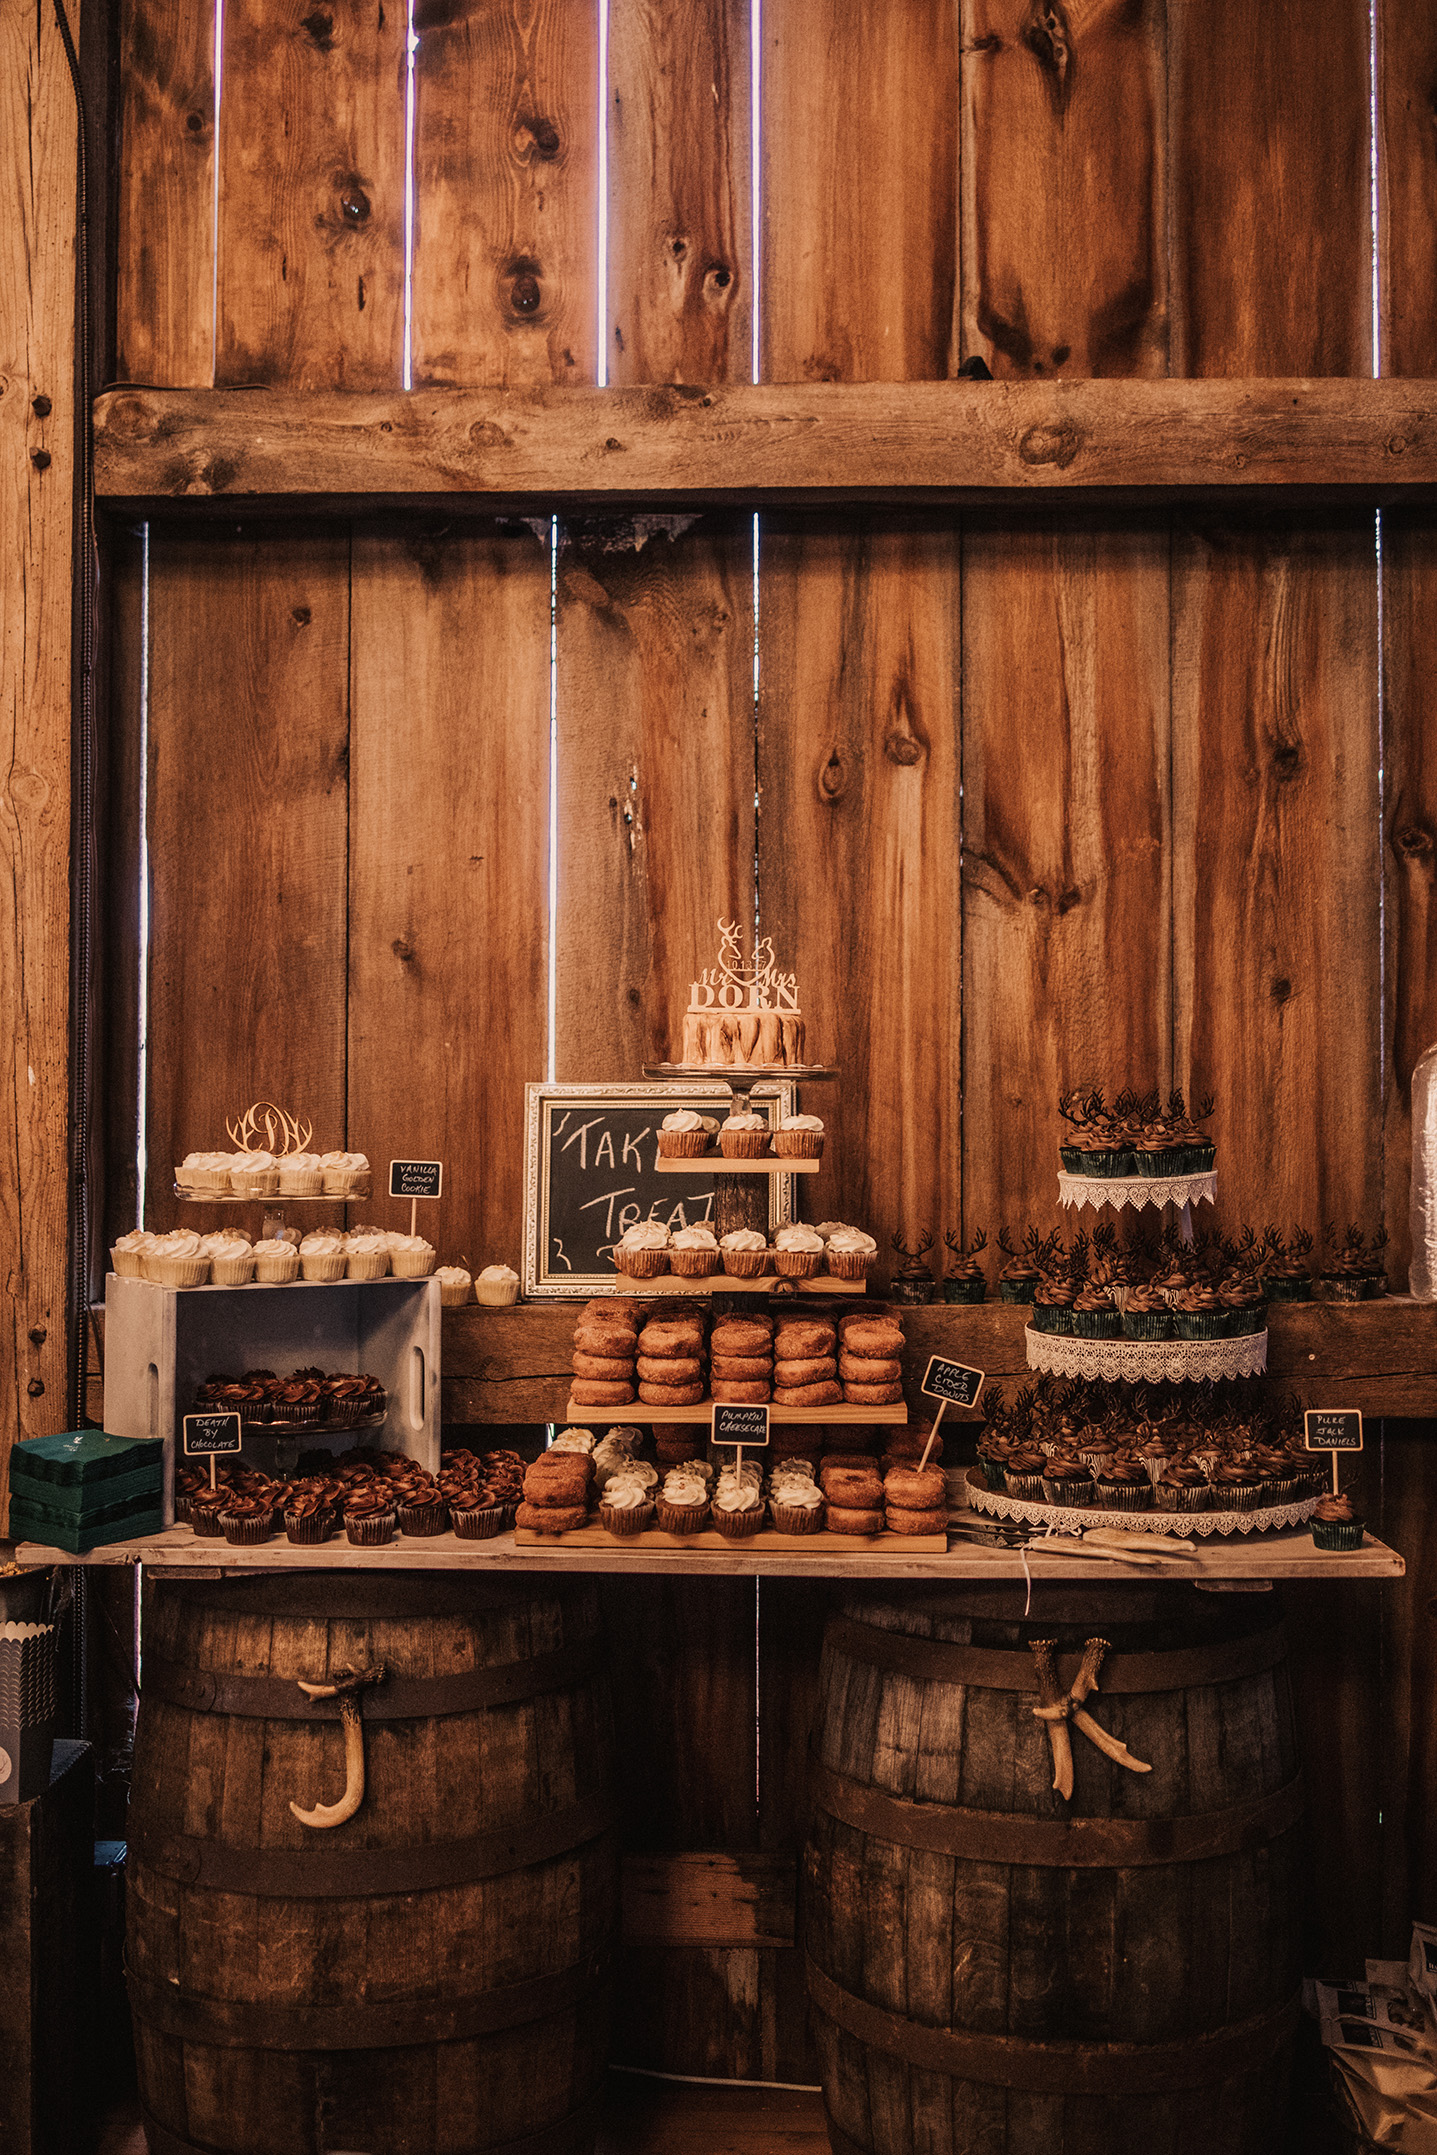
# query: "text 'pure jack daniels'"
[[618, 1160]]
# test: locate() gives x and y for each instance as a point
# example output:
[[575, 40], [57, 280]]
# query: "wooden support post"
[[46, 1878]]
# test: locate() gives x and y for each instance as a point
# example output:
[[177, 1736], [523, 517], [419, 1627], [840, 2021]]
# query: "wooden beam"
[[513, 1365], [703, 1899], [37, 474], [936, 442]]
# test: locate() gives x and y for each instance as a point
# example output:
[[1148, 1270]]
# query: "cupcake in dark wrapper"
[[1024, 1475], [1198, 1314], [1053, 1307], [1123, 1485], [1336, 1524], [1235, 1486], [1067, 1481], [1095, 1314], [1182, 1487], [1146, 1315]]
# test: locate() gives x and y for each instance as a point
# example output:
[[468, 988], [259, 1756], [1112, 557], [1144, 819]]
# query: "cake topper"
[[244, 1131], [732, 985], [743, 1013]]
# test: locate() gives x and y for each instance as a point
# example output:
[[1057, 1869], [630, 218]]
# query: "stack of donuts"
[[805, 1363], [870, 1358], [663, 1355], [557, 1487], [742, 1358], [671, 1361], [606, 1346]]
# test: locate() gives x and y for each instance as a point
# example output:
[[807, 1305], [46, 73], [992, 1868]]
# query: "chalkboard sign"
[[952, 1382], [740, 1425], [208, 1434], [1332, 1429], [416, 1178], [591, 1173]]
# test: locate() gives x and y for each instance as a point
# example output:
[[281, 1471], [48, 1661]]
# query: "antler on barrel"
[[1055, 1709], [346, 1689]]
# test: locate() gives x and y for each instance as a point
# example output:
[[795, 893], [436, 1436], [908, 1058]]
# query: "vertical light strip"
[[755, 115], [411, 47], [1381, 818], [142, 1014], [553, 792], [215, 203], [756, 789], [1373, 188], [602, 374]]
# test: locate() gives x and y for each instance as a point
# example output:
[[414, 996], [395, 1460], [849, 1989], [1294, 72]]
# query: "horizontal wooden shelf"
[[715, 1164], [512, 1365], [641, 1416], [723, 1283], [970, 443], [1267, 1556], [653, 1541]]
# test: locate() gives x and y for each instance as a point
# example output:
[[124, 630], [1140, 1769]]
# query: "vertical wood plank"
[[1064, 187], [1067, 843], [859, 148], [1409, 1672], [680, 298], [448, 867], [1407, 178], [165, 232], [1335, 1637], [506, 179], [310, 289], [121, 793], [1277, 859], [1409, 853], [37, 332], [655, 779], [249, 741], [1271, 192], [858, 847]]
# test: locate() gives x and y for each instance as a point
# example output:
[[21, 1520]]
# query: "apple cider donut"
[[817, 1370], [799, 1339]]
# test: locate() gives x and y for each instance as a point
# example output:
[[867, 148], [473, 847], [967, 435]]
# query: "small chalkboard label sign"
[[952, 1382], [209, 1434], [416, 1178], [1332, 1429], [746, 1426]]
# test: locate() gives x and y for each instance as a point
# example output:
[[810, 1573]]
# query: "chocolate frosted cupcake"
[[1053, 1307], [369, 1517], [477, 1514], [247, 1521], [1246, 1305], [1155, 1151], [1182, 1487], [993, 1456], [1123, 1485], [1198, 1314], [1095, 1315], [1280, 1484], [1147, 1315], [308, 1517], [1018, 1281], [1066, 1480], [1235, 1486], [1336, 1524], [1024, 1475], [205, 1506], [423, 1510], [1104, 1154]]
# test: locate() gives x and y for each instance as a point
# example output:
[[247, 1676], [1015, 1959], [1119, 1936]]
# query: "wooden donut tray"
[[702, 1415], [654, 1541], [714, 1163], [724, 1283]]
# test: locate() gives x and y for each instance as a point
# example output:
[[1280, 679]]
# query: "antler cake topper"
[[734, 985], [244, 1131]]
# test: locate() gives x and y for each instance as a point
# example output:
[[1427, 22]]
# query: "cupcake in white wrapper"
[[346, 1174], [254, 1174], [177, 1260], [129, 1254], [497, 1286], [204, 1174], [322, 1256], [455, 1286], [410, 1257], [276, 1263], [301, 1174], [693, 1253], [231, 1257], [366, 1254]]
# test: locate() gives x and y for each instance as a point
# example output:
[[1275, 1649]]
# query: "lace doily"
[[1149, 1361], [1204, 1523], [1136, 1190]]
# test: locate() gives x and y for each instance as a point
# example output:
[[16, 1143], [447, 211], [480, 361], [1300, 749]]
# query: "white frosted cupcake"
[[849, 1253], [797, 1252], [129, 1254], [204, 1173], [367, 1254], [322, 1256], [497, 1286], [575, 1440], [231, 1258], [177, 1260], [410, 1257], [682, 1135], [455, 1286], [346, 1174], [694, 1253], [743, 1136], [799, 1137], [643, 1252], [254, 1174], [301, 1174], [276, 1263], [744, 1253]]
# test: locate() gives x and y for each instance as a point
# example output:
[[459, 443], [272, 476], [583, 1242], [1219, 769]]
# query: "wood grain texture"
[[858, 776], [1408, 1486], [680, 297], [1344, 1716], [923, 442], [859, 274], [1409, 852], [506, 179], [1271, 208], [248, 807], [1406, 176], [165, 235], [37, 473], [448, 868], [310, 289], [655, 781], [1067, 843], [1064, 187], [121, 793], [1277, 859], [710, 1898]]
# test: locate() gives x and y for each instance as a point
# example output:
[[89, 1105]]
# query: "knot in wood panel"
[[1413, 841], [833, 778], [1054, 444], [319, 26], [1049, 40], [1287, 761], [353, 201], [537, 138], [525, 290]]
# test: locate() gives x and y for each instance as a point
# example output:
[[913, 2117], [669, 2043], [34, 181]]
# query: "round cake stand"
[[273, 1205], [1139, 1190], [1146, 1361], [1075, 1520]]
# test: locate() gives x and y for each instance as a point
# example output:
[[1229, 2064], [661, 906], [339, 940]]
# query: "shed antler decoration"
[[346, 1688], [1056, 1708], [264, 1118]]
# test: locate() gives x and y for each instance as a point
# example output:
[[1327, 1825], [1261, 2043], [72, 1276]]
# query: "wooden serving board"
[[722, 1283], [654, 1541], [701, 1415], [714, 1163]]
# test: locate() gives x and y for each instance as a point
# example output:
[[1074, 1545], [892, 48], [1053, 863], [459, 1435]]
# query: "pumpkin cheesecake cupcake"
[[683, 1136], [743, 1136], [322, 1256], [799, 1137]]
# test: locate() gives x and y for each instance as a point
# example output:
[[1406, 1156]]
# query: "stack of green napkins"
[[83, 1489]]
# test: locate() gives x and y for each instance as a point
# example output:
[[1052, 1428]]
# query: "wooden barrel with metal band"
[[433, 1973], [991, 1967]]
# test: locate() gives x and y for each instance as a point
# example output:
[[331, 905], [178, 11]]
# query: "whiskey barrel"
[[991, 1967], [431, 1975]]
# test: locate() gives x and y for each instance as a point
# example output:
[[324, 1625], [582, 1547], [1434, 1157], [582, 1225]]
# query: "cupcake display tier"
[[739, 1079], [642, 1416], [1146, 1361], [714, 1163], [725, 1283], [272, 1200], [344, 1425], [767, 1541], [1202, 1523], [1136, 1190]]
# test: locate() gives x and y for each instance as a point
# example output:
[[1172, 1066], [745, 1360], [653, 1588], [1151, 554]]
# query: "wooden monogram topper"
[[261, 1127], [733, 985]]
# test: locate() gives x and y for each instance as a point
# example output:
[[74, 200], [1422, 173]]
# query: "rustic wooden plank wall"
[[1079, 799]]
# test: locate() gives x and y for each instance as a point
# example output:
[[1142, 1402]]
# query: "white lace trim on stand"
[[1204, 1523], [1149, 1361], [1136, 1190]]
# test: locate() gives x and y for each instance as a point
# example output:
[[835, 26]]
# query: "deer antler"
[[347, 1690]]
